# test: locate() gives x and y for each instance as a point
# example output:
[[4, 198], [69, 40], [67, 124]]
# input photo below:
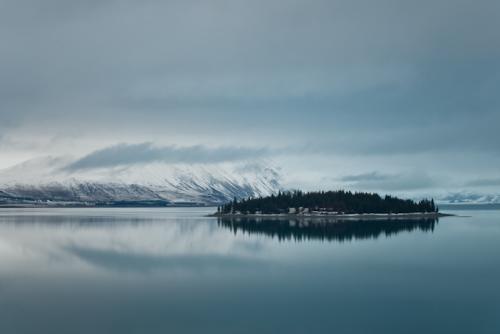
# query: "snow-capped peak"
[[48, 178]]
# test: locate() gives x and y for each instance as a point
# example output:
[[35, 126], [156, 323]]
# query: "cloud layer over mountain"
[[327, 88]]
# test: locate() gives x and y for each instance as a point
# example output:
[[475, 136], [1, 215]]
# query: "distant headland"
[[339, 204]]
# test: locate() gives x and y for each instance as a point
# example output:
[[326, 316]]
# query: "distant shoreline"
[[83, 206]]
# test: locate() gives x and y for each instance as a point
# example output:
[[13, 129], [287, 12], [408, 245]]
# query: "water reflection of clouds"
[[143, 242], [137, 262], [121, 243]]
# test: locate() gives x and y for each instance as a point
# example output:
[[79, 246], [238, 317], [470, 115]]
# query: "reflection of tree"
[[303, 229]]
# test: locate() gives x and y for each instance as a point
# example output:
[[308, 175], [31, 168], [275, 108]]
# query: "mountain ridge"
[[45, 181]]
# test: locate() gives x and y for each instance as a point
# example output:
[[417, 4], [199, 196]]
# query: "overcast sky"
[[392, 96]]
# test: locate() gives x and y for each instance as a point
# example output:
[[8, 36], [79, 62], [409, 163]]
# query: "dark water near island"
[[176, 271]]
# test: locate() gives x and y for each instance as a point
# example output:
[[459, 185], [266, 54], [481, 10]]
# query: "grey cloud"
[[172, 53], [390, 182], [352, 77], [126, 154], [372, 176], [484, 182]]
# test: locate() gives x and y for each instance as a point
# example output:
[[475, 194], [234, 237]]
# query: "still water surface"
[[177, 271]]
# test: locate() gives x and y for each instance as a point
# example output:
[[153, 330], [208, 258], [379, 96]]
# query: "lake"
[[174, 270]]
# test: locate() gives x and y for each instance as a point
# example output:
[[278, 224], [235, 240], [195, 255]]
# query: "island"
[[341, 205]]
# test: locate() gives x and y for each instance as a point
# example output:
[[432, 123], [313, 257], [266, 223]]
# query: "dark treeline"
[[337, 201], [341, 231]]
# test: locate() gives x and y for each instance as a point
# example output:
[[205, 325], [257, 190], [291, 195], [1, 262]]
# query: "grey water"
[[175, 270]]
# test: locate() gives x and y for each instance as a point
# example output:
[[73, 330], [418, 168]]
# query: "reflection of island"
[[314, 229]]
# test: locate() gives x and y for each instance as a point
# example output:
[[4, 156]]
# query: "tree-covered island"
[[327, 203]]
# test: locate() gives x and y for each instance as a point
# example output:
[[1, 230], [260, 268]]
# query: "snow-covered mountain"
[[48, 180], [469, 198]]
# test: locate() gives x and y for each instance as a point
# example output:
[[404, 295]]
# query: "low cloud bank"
[[127, 154], [377, 181]]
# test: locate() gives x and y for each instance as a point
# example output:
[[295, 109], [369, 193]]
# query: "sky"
[[389, 96]]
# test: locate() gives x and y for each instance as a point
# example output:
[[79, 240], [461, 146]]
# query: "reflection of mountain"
[[301, 229], [130, 240]]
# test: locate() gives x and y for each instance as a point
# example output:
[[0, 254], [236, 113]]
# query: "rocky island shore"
[[332, 205], [355, 216]]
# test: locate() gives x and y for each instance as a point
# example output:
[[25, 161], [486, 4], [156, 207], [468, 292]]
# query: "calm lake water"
[[177, 271]]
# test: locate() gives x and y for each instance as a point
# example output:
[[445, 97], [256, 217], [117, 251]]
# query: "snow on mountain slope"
[[469, 198], [48, 178]]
